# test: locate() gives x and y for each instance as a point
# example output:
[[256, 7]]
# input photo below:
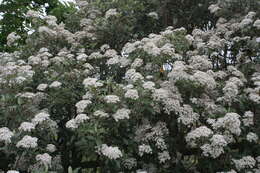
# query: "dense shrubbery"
[[82, 96]]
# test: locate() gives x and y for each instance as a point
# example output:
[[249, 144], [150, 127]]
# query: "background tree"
[[14, 16]]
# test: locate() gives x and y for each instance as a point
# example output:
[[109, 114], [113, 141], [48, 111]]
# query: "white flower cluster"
[[153, 15], [55, 84], [164, 156], [82, 105], [5, 134], [229, 122], [44, 159], [27, 126], [92, 82], [12, 171], [111, 99], [215, 148], [27, 142], [51, 148], [40, 118], [187, 116], [75, 122], [132, 94], [252, 137], [121, 114], [205, 79], [112, 153], [132, 76], [245, 162], [100, 113], [15, 72], [12, 38], [248, 118], [144, 149], [198, 133], [111, 12]]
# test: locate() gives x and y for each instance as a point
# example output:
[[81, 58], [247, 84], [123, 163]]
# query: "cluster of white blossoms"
[[153, 15], [215, 148], [198, 133], [14, 72], [27, 142], [121, 114], [132, 76], [44, 159], [144, 149], [92, 82], [252, 137], [229, 122], [187, 116], [12, 171], [82, 105], [132, 94], [111, 99], [244, 162], [40, 118], [100, 113], [5, 134], [27, 126], [12, 38], [164, 156], [111, 12], [55, 84], [109, 151], [51, 148], [75, 122]]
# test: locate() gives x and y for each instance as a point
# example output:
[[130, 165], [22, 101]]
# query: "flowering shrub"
[[169, 102]]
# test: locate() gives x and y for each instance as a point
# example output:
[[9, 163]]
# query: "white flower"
[[198, 133], [40, 117], [5, 134], [137, 63], [27, 126], [252, 137], [245, 162], [91, 82], [12, 171], [205, 79], [248, 118], [149, 85], [257, 24], [153, 15], [71, 124], [111, 99], [110, 152], [229, 122], [164, 156], [132, 94], [42, 87], [51, 148], [81, 105], [245, 22], [187, 116], [44, 159], [55, 84], [80, 118], [121, 114], [144, 149], [27, 142], [112, 61], [12, 38], [100, 113], [111, 12]]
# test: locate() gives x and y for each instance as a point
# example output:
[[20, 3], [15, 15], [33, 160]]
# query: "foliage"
[[89, 96]]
